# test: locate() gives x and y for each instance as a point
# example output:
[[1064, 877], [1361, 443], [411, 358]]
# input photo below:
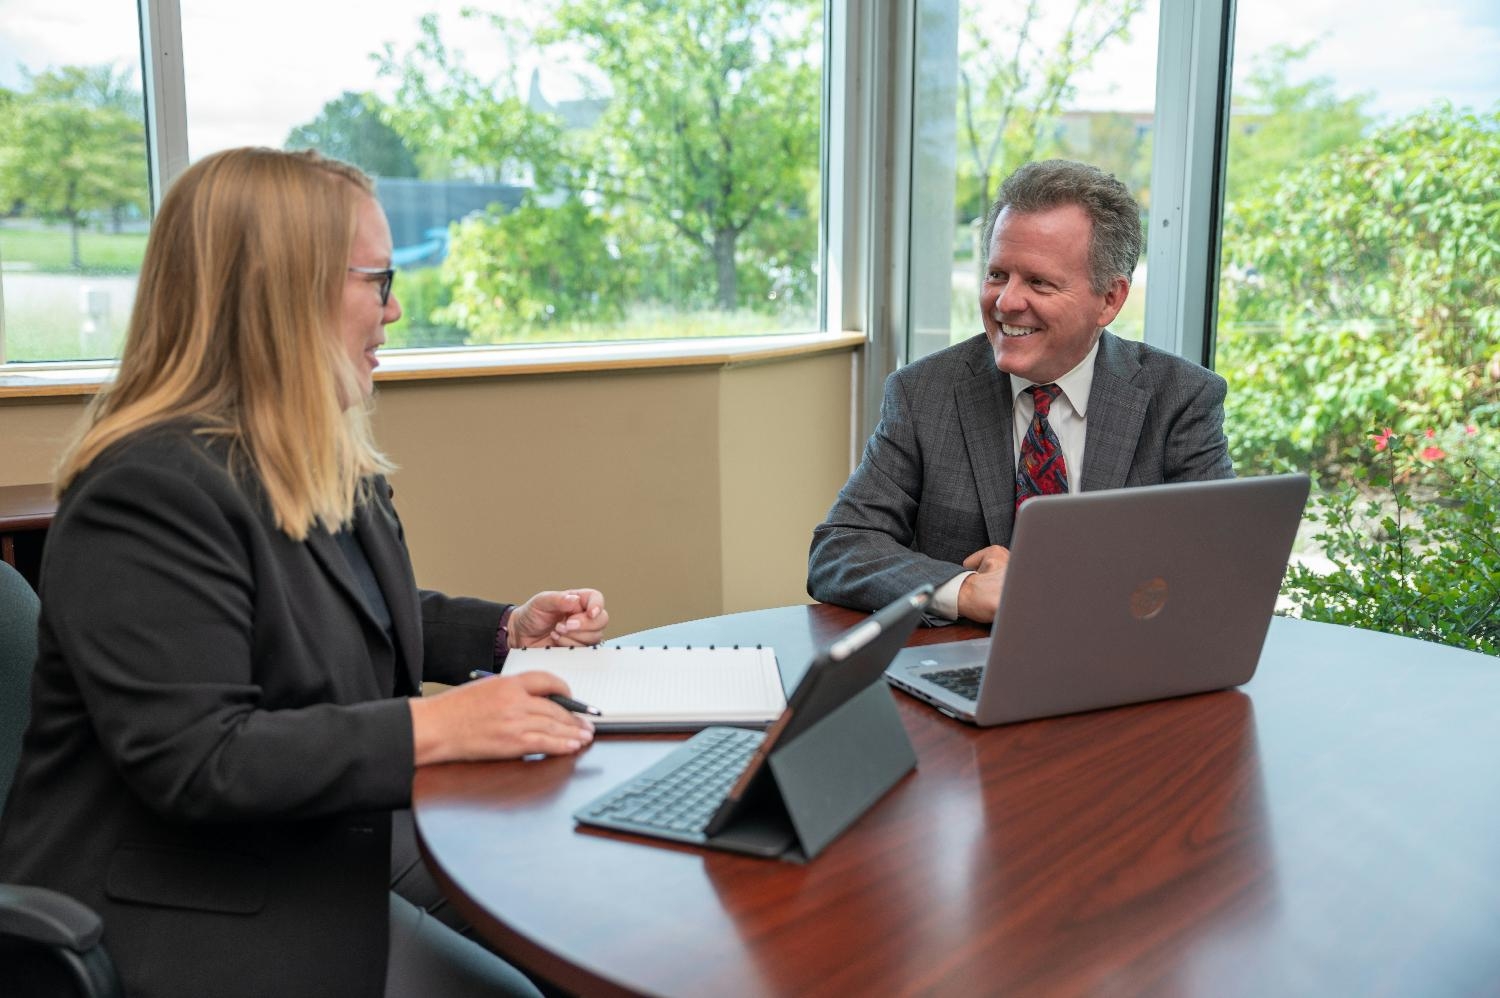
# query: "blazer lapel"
[[378, 530], [1117, 410], [984, 414], [326, 552]]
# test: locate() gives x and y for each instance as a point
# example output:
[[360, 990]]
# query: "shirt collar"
[[1075, 385]]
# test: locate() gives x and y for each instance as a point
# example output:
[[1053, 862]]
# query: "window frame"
[[867, 176], [1190, 152]]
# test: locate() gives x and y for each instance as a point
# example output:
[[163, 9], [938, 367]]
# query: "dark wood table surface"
[[1331, 828]]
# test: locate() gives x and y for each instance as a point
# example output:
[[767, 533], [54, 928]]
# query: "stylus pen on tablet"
[[566, 703]]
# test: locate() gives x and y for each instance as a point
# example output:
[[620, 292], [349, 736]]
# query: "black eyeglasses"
[[386, 275]]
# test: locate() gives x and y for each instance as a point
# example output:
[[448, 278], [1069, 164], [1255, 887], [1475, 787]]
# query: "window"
[[564, 170], [73, 181], [1356, 286], [1000, 83], [1359, 303]]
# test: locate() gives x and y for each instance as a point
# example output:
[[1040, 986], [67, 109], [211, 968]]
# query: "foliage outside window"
[[1018, 73], [1414, 548], [1360, 295], [73, 209], [678, 197], [1024, 86], [661, 162]]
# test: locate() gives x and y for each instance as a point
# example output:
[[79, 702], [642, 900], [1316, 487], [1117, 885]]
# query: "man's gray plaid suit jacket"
[[937, 480]]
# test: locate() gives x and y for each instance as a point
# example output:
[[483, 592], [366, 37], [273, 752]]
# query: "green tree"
[[1117, 144], [350, 128], [10, 201], [714, 113], [463, 126], [705, 128], [74, 147], [1375, 270], [1016, 71], [1277, 125], [531, 268]]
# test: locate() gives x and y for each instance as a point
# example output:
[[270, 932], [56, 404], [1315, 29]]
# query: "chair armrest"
[[44, 916]]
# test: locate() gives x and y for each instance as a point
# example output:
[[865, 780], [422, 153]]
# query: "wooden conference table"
[[1333, 828]]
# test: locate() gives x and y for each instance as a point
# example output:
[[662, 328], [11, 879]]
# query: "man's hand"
[[979, 596], [571, 617]]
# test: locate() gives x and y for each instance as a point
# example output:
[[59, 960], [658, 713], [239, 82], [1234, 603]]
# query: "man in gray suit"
[[935, 496]]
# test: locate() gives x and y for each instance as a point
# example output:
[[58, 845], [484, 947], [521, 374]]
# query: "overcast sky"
[[250, 78]]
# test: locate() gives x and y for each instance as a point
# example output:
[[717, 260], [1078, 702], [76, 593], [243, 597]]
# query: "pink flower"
[[1470, 430], [1383, 438], [1433, 453], [1429, 434]]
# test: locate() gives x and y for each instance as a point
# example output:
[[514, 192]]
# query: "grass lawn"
[[648, 323], [46, 319], [69, 316], [49, 251]]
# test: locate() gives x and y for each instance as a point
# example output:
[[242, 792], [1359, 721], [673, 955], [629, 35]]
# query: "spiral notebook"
[[665, 689]]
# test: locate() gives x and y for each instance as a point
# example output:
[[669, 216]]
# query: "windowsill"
[[59, 379]]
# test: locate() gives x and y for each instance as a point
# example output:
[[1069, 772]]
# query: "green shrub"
[[1363, 289], [1415, 541], [1304, 395], [512, 273], [422, 293]]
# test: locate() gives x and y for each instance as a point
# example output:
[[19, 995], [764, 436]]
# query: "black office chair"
[[49, 943]]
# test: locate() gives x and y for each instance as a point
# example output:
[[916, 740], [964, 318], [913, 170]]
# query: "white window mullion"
[[166, 102], [1192, 95], [868, 164]]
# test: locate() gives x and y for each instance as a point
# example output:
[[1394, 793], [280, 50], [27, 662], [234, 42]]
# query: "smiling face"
[[363, 318], [1040, 313]]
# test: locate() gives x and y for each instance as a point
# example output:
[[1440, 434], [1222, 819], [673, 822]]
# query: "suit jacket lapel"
[[326, 552], [374, 526], [984, 414], [1117, 410], [378, 530]]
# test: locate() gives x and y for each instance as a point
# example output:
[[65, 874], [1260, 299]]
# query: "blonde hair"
[[236, 326]]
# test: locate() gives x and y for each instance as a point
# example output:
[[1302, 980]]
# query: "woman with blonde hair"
[[226, 708]]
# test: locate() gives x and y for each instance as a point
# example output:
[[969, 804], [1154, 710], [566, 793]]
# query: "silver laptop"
[[1121, 596]]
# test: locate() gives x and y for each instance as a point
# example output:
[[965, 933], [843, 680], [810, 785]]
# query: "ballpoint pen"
[[566, 703]]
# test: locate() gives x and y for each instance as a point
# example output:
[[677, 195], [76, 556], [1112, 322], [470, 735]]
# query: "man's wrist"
[[945, 598], [502, 638]]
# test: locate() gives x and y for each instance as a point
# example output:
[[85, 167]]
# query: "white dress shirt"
[[1068, 418]]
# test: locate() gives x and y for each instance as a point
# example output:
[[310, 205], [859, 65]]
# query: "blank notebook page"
[[668, 686]]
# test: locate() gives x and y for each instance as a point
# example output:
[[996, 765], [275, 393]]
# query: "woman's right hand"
[[500, 717]]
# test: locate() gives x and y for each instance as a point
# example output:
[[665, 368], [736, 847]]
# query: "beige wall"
[[32, 434], [680, 492], [783, 453]]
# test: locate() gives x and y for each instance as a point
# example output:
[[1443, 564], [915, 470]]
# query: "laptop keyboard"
[[964, 682], [680, 793]]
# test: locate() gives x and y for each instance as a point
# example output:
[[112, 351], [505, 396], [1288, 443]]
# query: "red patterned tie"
[[1042, 470]]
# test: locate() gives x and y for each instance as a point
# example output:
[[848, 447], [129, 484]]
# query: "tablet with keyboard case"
[[837, 748]]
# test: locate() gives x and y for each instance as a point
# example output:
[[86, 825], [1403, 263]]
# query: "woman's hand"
[[502, 717], [570, 617]]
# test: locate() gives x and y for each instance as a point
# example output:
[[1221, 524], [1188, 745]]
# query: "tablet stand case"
[[815, 785]]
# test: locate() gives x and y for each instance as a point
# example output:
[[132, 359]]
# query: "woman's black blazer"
[[219, 729]]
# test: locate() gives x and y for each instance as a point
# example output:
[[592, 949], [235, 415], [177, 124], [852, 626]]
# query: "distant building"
[[575, 115], [1076, 129], [420, 212]]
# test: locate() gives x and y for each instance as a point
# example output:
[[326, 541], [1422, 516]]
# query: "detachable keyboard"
[[676, 797], [964, 682]]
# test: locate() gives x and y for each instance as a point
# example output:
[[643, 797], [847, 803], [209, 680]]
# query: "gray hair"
[[1115, 244]]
